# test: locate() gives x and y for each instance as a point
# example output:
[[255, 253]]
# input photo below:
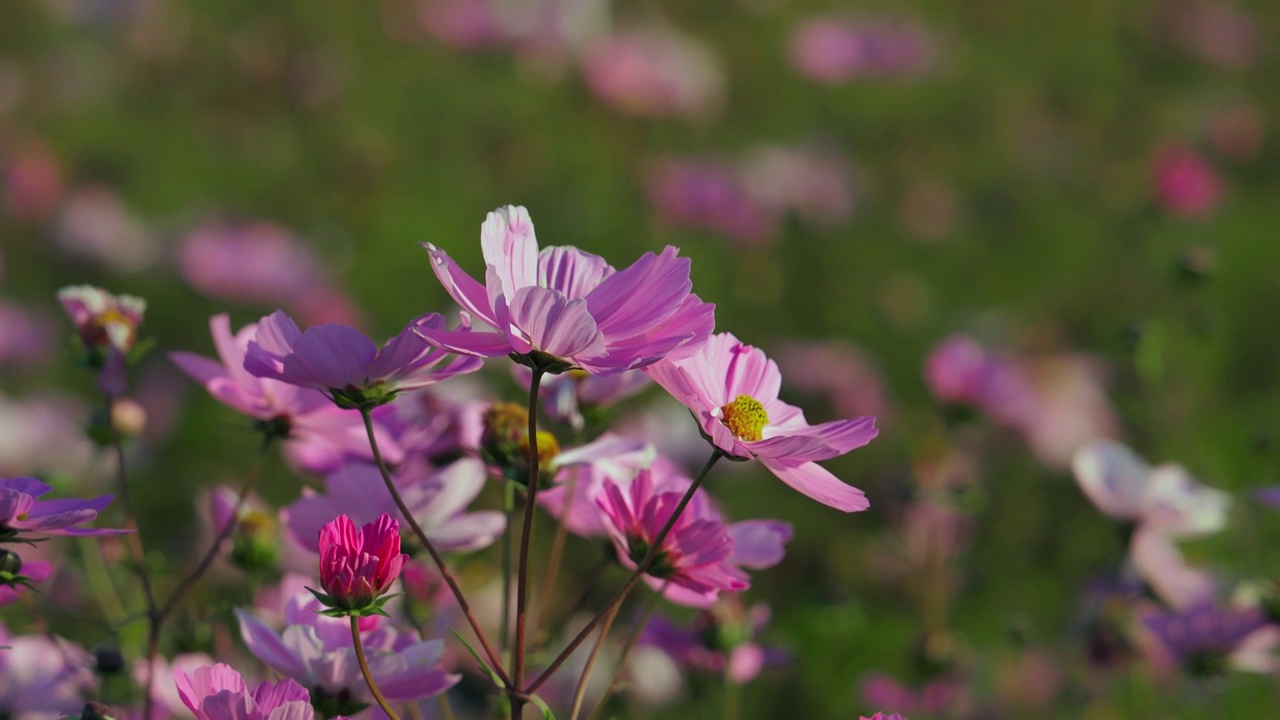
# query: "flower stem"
[[522, 567], [364, 669], [627, 647], [508, 509], [465, 607], [581, 692], [631, 582], [557, 553]]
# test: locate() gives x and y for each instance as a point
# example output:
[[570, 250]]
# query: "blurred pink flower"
[[1068, 407], [22, 513], [317, 436], [882, 716], [1185, 183], [35, 572], [654, 72], [164, 692], [357, 567], [26, 337], [565, 306], [43, 431], [838, 371], [343, 362], [94, 224], [217, 692], [709, 195], [1219, 33], [33, 181], [732, 389], [438, 501], [936, 697], [103, 321], [816, 185], [720, 640], [1207, 640], [261, 262], [836, 49], [42, 676]]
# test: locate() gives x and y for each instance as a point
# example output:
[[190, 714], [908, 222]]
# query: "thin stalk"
[[630, 644], [364, 669], [557, 553], [494, 662], [522, 568], [631, 582], [732, 698], [581, 692], [508, 509], [134, 542]]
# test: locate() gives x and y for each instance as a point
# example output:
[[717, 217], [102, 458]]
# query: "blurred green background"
[[1009, 189]]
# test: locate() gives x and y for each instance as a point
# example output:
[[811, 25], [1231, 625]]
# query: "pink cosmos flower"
[[654, 73], [318, 437], [834, 50], [21, 512], [438, 501], [708, 194], [317, 651], [569, 305], [94, 224], [882, 716], [694, 562], [732, 389], [218, 692], [356, 568], [940, 695], [108, 328], [341, 360], [1185, 183], [164, 694]]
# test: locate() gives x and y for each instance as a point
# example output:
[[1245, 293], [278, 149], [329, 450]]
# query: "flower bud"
[[253, 545], [108, 661], [10, 562], [128, 417], [356, 567]]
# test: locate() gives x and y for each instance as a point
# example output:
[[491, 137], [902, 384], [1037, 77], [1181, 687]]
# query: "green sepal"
[[16, 579], [324, 599], [140, 350], [497, 680]]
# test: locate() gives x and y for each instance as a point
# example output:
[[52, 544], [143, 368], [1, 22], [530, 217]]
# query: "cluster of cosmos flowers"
[[358, 623]]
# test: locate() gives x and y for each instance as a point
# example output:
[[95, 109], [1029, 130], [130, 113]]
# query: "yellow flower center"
[[548, 447], [745, 417]]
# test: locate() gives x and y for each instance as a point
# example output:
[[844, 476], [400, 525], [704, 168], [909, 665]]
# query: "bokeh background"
[[1088, 189]]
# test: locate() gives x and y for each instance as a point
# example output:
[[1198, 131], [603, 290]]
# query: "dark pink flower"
[[342, 361], [22, 513], [693, 564], [732, 389], [357, 567], [218, 692], [563, 307]]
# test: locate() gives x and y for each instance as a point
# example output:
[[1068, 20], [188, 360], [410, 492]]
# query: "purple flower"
[[342, 361], [719, 640], [217, 692], [562, 307], [438, 502], [21, 513], [318, 437], [834, 50], [42, 676], [732, 389], [936, 697], [882, 716], [1204, 639], [694, 562], [358, 566], [709, 195], [317, 651]]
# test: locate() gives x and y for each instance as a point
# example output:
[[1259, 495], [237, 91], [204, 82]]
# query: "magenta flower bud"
[[358, 567]]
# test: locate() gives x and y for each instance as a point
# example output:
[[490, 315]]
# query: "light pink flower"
[[317, 436], [835, 50], [708, 194], [341, 360], [218, 692], [94, 224], [358, 566], [816, 185], [164, 692], [692, 566], [568, 306], [732, 389], [1185, 183], [33, 182], [21, 513], [654, 72], [25, 337]]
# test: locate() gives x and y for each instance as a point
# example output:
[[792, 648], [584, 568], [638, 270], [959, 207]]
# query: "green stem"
[[631, 582], [463, 605], [581, 692], [508, 509], [627, 647], [522, 567], [364, 669]]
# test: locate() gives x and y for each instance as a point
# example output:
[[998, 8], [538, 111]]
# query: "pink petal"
[[1112, 476], [759, 544], [509, 246], [461, 287], [571, 271], [556, 325], [635, 300], [332, 356], [819, 484]]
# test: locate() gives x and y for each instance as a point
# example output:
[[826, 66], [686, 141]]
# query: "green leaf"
[[497, 681], [542, 705]]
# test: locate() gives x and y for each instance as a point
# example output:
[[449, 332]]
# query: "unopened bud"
[[128, 417], [108, 661], [10, 562]]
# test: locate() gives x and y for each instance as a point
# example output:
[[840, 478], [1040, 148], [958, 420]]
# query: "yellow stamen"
[[745, 417]]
